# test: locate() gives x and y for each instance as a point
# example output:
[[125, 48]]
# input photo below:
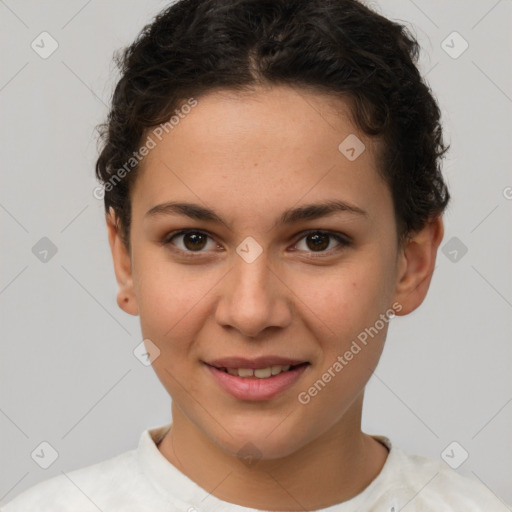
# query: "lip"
[[258, 362], [253, 388]]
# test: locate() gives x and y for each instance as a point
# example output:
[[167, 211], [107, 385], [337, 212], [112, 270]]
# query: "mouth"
[[260, 373], [256, 379]]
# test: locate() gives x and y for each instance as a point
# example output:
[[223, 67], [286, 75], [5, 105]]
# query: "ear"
[[416, 265], [126, 298]]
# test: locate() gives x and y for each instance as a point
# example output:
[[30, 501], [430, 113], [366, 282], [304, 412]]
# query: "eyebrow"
[[290, 216]]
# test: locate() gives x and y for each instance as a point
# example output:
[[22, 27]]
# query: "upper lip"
[[258, 362]]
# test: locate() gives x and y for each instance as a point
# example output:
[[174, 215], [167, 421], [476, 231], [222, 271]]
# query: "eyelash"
[[343, 240]]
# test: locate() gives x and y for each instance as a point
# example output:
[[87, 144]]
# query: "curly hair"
[[336, 47]]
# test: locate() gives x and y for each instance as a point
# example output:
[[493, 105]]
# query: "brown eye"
[[191, 241], [194, 241], [320, 241]]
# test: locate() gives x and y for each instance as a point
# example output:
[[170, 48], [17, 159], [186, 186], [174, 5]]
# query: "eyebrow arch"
[[290, 216]]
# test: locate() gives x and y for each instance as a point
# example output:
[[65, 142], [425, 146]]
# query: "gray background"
[[69, 375]]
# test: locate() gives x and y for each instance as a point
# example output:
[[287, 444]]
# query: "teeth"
[[275, 370], [263, 373], [245, 372], [260, 373]]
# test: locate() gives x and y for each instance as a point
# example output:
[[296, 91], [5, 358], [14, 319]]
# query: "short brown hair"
[[339, 47]]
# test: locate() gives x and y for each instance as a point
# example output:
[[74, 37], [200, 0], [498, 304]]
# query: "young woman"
[[273, 199]]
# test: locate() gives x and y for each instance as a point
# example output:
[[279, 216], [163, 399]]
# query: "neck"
[[333, 468]]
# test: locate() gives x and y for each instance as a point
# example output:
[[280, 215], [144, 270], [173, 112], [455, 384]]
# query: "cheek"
[[343, 302], [350, 334], [172, 300], [169, 295]]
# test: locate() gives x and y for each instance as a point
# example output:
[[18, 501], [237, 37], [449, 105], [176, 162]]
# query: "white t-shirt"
[[143, 480]]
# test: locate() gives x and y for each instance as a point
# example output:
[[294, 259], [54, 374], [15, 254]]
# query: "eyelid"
[[169, 236], [335, 234], [341, 238]]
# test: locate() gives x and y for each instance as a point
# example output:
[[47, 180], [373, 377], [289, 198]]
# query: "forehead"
[[264, 149]]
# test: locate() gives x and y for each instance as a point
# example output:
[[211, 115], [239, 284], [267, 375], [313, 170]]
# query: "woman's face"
[[267, 275]]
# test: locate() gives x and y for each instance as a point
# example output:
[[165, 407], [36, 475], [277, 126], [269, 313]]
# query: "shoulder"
[[429, 484], [101, 486]]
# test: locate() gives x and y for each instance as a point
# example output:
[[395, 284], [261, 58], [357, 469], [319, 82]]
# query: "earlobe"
[[417, 264], [126, 298]]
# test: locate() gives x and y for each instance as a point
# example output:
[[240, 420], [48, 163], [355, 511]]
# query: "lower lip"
[[252, 388]]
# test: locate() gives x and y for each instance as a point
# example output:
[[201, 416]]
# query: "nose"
[[254, 298]]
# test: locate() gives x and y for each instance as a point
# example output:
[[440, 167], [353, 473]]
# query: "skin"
[[250, 156]]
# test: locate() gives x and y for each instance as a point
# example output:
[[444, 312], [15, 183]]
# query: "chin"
[[261, 442]]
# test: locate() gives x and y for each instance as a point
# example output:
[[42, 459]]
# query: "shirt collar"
[[185, 493]]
